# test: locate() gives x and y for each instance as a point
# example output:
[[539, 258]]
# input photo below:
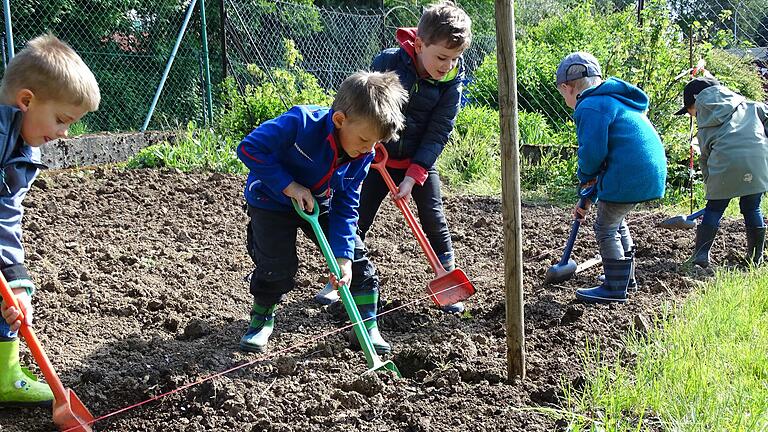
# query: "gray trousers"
[[611, 230]]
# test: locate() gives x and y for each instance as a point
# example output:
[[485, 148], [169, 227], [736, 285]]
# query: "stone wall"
[[100, 149]]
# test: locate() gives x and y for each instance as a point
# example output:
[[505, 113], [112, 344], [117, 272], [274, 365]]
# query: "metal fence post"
[[168, 65], [206, 65], [8, 29]]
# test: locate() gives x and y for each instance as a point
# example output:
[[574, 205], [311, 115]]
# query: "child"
[[46, 88], [734, 161], [429, 65], [619, 151], [313, 152]]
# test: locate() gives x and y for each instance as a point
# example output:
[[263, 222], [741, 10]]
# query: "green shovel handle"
[[314, 221]]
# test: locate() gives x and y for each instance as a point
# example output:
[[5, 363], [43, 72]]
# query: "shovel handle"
[[584, 196], [696, 215], [314, 222], [380, 165], [34, 345]]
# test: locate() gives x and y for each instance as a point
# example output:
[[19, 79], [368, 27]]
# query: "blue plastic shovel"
[[374, 362]]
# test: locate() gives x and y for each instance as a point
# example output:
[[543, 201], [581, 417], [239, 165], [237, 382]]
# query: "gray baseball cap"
[[577, 65]]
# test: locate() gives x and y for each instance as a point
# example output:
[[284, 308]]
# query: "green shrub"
[[274, 93]]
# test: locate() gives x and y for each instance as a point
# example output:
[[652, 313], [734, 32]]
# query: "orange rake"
[[448, 287], [69, 413]]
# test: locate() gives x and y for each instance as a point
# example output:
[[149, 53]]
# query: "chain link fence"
[[127, 44]]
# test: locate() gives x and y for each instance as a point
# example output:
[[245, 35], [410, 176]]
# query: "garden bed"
[[141, 290]]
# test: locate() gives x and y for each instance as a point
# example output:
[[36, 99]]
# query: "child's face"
[[357, 136], [44, 121], [569, 93], [436, 60]]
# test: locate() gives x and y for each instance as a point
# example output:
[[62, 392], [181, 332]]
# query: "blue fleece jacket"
[[618, 145], [19, 165], [302, 146]]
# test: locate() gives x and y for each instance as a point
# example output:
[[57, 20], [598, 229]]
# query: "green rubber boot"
[[18, 386], [260, 328]]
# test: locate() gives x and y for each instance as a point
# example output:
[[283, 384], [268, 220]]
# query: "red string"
[[258, 359]]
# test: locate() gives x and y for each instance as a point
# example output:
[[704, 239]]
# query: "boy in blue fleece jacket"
[[430, 66], [315, 153], [46, 88], [619, 151]]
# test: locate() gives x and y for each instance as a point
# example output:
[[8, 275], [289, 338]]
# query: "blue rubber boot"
[[614, 289], [705, 237], [327, 295], [18, 386], [367, 303], [449, 264], [755, 245], [632, 287], [260, 328]]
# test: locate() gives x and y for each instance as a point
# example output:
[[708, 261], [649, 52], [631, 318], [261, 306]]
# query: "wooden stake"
[[510, 178]]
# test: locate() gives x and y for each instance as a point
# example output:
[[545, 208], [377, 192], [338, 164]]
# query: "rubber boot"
[[260, 328], [327, 295], [632, 287], [755, 245], [367, 302], [18, 386], [705, 237], [449, 264], [614, 289]]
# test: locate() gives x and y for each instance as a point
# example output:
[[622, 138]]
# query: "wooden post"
[[510, 185]]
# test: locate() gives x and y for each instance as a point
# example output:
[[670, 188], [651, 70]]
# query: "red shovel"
[[446, 288], [69, 414]]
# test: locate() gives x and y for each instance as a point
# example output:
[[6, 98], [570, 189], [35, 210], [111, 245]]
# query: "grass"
[[197, 150], [78, 128], [703, 368]]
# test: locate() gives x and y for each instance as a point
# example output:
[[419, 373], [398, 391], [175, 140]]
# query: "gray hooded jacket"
[[733, 136]]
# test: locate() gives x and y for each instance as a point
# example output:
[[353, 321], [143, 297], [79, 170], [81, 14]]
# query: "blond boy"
[[46, 88]]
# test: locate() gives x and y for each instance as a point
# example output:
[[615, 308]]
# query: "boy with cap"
[[621, 153], [733, 137]]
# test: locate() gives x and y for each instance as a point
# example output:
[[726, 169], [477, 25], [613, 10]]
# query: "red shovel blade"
[[70, 415], [451, 287]]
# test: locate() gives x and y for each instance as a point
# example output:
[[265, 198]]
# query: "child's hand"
[[11, 314], [405, 187], [302, 196], [580, 214], [345, 264]]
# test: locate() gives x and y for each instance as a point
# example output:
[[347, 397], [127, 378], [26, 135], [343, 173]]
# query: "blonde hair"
[[445, 23], [377, 97], [52, 70], [582, 84]]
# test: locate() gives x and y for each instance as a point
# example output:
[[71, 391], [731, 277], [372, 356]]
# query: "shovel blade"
[[71, 415], [678, 222], [450, 288], [560, 272]]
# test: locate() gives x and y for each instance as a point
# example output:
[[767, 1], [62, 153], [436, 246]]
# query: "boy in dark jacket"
[[619, 151], [313, 153], [46, 88], [430, 67], [733, 137]]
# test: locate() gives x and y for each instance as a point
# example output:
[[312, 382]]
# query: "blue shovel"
[[374, 362], [566, 268]]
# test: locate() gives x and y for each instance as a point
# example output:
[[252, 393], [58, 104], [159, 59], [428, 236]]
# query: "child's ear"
[[418, 45], [24, 98], [338, 118]]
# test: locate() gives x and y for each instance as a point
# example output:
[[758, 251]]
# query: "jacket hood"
[[406, 36], [715, 105], [620, 90]]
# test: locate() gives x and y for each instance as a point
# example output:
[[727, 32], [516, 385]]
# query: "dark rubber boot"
[[632, 287], [614, 289], [260, 328], [755, 245], [705, 237]]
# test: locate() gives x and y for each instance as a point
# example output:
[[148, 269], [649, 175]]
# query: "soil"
[[141, 291]]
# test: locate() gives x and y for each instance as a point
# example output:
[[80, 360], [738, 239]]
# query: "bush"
[[274, 93]]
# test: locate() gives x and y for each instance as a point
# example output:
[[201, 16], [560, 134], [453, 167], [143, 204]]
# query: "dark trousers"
[[429, 204], [272, 247], [748, 204]]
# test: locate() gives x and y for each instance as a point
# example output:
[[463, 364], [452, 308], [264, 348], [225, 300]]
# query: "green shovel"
[[374, 362]]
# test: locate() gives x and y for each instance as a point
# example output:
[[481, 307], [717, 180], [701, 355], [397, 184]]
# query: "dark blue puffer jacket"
[[431, 111]]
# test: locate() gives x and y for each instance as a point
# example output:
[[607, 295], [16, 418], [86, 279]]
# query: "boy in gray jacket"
[[733, 136], [46, 88]]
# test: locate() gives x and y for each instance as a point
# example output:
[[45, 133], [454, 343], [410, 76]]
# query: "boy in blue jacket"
[[619, 151], [430, 67], [315, 153], [46, 88]]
